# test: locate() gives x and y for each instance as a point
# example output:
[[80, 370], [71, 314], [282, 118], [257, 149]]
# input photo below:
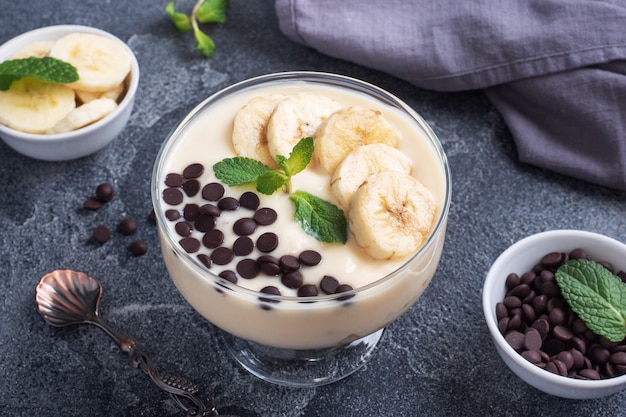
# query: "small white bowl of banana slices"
[[55, 121]]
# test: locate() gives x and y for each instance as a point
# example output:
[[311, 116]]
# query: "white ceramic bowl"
[[521, 257], [81, 142]]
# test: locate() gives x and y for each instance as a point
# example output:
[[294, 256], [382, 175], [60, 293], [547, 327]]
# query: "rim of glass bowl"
[[313, 77], [61, 30]]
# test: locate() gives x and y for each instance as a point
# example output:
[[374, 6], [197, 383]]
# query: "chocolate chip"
[[310, 257], [205, 259], [249, 200], [248, 268], [244, 226], [272, 290], [515, 339], [344, 288], [210, 209], [329, 284], [183, 228], [228, 204], [228, 275], [138, 247], [222, 255], [101, 234], [532, 339], [174, 180], [190, 244], [265, 216], [191, 187], [105, 192], [173, 196], [172, 215], [193, 171], [213, 191], [289, 263], [191, 212], [92, 204], [204, 223], [213, 238], [307, 290], [243, 246], [127, 226], [267, 242], [269, 265], [292, 279]]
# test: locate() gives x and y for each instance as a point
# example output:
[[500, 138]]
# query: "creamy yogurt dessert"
[[265, 278]]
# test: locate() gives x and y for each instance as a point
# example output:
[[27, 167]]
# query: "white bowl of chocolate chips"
[[555, 305]]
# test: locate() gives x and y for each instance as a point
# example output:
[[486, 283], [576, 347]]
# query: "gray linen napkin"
[[555, 69]]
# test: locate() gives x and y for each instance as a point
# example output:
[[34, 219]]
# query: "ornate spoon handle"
[[67, 297]]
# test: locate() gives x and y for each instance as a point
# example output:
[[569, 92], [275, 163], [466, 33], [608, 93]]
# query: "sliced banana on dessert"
[[391, 214], [33, 106], [101, 62], [296, 117], [362, 162], [37, 49], [84, 115], [347, 129], [249, 135]]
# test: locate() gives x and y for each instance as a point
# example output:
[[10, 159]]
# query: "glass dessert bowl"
[[295, 309]]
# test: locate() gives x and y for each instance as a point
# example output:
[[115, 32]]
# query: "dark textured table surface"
[[436, 360]]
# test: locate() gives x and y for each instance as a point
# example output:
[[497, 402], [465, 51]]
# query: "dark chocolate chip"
[[193, 171], [222, 255], [213, 238], [138, 247], [183, 228], [228, 275], [191, 187], [172, 215], [329, 284], [265, 216], [292, 279], [249, 200], [532, 339], [173, 196], [127, 226], [191, 212], [204, 223], [101, 234], [210, 209], [174, 180], [213, 191], [272, 290], [310, 257], [243, 246], [289, 263], [205, 259], [228, 204], [244, 226], [248, 268], [515, 339], [344, 288], [92, 204], [267, 242], [105, 192], [190, 244], [307, 290]]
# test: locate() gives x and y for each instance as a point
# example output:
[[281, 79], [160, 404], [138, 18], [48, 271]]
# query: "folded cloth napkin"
[[555, 69]]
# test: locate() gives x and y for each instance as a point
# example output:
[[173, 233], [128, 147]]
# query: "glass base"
[[302, 368]]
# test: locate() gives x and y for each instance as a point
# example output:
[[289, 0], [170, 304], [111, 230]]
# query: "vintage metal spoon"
[[67, 297]]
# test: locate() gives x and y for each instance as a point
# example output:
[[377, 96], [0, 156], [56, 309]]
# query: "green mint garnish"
[[46, 69], [319, 218], [596, 295], [204, 11]]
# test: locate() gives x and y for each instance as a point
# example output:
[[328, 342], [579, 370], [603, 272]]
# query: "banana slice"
[[36, 49], [34, 107], [297, 117], [391, 215], [102, 63], [347, 129], [362, 162], [84, 115], [114, 93], [249, 136]]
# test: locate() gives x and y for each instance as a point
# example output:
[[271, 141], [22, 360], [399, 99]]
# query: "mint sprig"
[[46, 69], [204, 11], [596, 295], [317, 217]]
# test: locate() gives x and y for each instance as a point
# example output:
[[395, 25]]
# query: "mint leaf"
[[270, 181], [299, 157], [596, 295], [46, 69], [212, 11], [239, 170], [319, 218], [204, 43], [181, 20]]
